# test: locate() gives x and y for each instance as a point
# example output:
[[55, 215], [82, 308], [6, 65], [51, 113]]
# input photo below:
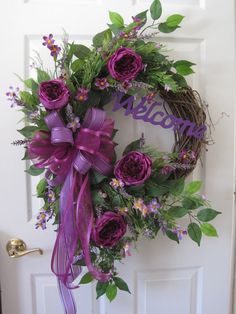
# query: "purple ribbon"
[[93, 148]]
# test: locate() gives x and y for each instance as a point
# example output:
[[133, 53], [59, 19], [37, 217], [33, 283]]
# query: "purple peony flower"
[[53, 94], [109, 229], [134, 168], [125, 64]]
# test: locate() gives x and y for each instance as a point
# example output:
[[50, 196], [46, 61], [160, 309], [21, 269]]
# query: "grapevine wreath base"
[[100, 205], [188, 106]]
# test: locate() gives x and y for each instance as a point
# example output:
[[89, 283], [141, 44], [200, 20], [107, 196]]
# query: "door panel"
[[162, 276]]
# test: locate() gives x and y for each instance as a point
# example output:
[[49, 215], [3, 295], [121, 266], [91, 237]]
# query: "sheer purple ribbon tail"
[[65, 246], [94, 148]]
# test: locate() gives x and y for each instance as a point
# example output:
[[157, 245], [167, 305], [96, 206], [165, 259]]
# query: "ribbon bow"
[[91, 148]]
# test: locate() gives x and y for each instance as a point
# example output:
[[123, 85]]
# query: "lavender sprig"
[[20, 142]]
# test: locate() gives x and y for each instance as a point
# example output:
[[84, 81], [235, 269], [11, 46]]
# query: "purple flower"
[[48, 41], [101, 83], [124, 35], [13, 96], [55, 50], [138, 21], [82, 94], [187, 156], [109, 229], [140, 205], [154, 206], [115, 183], [41, 224], [148, 233], [134, 168], [125, 64], [180, 232], [51, 196], [124, 86], [43, 217], [53, 94], [74, 124], [33, 116]]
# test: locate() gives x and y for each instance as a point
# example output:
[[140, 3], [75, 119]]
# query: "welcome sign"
[[150, 112]]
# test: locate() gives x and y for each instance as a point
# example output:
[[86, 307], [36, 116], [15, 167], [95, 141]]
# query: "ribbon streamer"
[[70, 160]]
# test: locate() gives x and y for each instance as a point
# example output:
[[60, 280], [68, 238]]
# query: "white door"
[[164, 277]]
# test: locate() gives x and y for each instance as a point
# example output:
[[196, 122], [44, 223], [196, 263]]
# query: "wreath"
[[100, 205]]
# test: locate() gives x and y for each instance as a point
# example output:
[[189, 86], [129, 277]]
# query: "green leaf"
[[87, 278], [114, 29], [180, 80], [135, 145], [28, 131], [41, 187], [71, 86], [30, 83], [164, 28], [183, 67], [195, 232], [183, 62], [193, 187], [111, 292], [107, 39], [174, 20], [184, 70], [176, 186], [171, 235], [138, 190], [116, 201], [33, 171], [192, 202], [28, 99], [209, 230], [116, 19], [143, 16], [155, 190], [177, 211], [101, 288], [42, 76], [26, 155], [98, 38], [97, 178], [77, 65], [121, 284], [207, 214], [156, 10], [81, 51]]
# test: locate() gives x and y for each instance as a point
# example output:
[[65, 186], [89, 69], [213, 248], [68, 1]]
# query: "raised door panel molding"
[[170, 291], [46, 299]]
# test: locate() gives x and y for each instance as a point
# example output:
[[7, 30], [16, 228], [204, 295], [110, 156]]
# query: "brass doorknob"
[[17, 248]]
